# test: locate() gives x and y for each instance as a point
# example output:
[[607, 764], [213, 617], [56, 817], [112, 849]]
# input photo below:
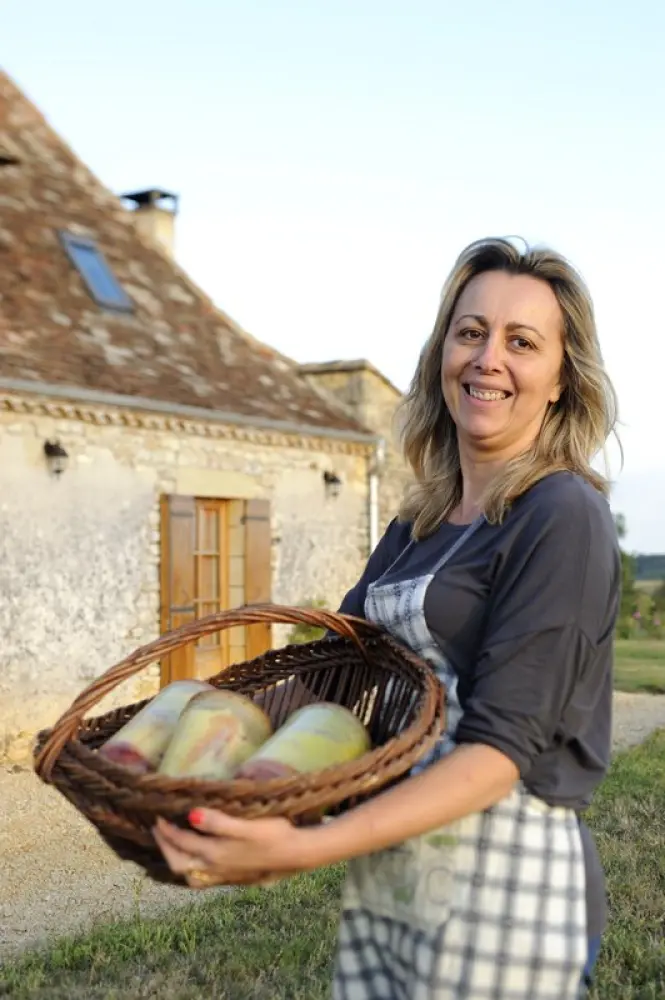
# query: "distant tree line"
[[640, 613], [650, 567]]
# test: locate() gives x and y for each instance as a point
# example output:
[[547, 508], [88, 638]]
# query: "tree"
[[628, 589], [659, 599]]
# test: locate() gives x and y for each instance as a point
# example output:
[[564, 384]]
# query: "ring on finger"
[[202, 876]]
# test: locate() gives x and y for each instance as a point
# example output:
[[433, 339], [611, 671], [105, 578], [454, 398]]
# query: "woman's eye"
[[472, 334], [522, 343]]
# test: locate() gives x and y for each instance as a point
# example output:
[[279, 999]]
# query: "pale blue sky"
[[333, 157]]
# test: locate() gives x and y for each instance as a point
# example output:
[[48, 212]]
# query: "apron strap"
[[457, 544], [448, 554]]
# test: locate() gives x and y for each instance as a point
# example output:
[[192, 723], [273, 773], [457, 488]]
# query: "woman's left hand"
[[230, 851], [239, 851]]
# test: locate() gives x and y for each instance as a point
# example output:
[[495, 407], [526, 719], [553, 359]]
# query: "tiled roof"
[[174, 347]]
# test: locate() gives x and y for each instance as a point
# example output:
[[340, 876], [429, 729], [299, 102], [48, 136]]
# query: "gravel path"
[[57, 875]]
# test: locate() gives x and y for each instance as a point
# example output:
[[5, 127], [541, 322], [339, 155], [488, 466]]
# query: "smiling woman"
[[520, 325], [501, 373], [475, 878]]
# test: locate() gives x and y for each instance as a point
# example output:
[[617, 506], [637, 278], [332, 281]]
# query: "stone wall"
[[79, 554], [373, 400]]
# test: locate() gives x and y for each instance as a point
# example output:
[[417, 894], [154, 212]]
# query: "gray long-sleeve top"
[[525, 611]]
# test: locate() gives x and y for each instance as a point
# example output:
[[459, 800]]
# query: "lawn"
[[639, 665], [277, 944], [648, 586]]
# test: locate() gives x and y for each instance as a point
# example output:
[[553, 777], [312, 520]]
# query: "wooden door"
[[215, 555], [258, 574], [211, 582]]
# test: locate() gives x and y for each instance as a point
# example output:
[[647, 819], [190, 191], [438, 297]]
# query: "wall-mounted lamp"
[[333, 484], [56, 457]]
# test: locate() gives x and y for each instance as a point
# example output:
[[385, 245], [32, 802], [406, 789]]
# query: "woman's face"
[[502, 362]]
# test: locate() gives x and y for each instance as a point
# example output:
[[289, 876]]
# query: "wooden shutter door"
[[258, 571], [178, 540]]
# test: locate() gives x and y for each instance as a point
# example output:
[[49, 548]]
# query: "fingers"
[[197, 859], [236, 851], [220, 824], [208, 878], [180, 862], [185, 851], [205, 878], [196, 870], [184, 841]]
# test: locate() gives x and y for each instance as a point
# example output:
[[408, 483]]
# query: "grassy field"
[[639, 665], [277, 944], [648, 586]]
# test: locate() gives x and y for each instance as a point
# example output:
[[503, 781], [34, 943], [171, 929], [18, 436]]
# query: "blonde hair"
[[574, 430]]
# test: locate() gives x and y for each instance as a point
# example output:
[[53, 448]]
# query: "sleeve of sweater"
[[551, 603]]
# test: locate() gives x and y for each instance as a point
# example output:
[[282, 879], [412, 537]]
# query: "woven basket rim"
[[162, 783], [155, 781], [68, 725], [123, 805]]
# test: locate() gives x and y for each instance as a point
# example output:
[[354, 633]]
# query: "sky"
[[333, 158]]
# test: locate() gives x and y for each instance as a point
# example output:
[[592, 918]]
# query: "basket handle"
[[67, 725]]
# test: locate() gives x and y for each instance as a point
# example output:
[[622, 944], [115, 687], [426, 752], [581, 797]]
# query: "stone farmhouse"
[[157, 463]]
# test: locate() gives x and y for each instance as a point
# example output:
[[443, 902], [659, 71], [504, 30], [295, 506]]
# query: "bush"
[[302, 633]]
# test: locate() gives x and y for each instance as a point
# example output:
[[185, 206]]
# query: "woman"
[[474, 878]]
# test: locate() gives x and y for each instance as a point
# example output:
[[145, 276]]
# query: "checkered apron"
[[490, 907]]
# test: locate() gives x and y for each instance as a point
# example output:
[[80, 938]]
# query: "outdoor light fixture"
[[56, 457], [333, 484]]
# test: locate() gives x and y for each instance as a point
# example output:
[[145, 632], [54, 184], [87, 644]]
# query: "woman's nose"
[[490, 354]]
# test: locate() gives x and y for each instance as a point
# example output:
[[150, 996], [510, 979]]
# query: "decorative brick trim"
[[108, 416]]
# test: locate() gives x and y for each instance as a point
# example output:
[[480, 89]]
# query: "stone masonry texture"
[[79, 554]]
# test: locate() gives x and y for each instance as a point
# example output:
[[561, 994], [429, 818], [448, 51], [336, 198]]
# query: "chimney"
[[155, 213]]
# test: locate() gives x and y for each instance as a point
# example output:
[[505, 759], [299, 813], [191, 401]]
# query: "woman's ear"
[[555, 394], [557, 391]]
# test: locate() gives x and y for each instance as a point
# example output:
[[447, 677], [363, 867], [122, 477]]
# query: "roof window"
[[99, 279]]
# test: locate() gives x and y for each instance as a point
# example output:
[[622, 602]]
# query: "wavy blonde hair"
[[574, 430]]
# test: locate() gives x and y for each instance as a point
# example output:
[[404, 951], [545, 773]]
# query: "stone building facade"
[[374, 401], [80, 553], [204, 469]]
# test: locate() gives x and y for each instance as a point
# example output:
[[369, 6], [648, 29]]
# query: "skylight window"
[[99, 279]]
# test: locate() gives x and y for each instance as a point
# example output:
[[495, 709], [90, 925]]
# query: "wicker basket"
[[396, 694]]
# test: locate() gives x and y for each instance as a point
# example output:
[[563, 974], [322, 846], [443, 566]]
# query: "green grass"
[[628, 819], [263, 944], [277, 944], [648, 586], [639, 665]]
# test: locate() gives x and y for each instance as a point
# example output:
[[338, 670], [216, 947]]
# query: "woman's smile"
[[478, 393]]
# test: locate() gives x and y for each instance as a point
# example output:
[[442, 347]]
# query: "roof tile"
[[175, 346]]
